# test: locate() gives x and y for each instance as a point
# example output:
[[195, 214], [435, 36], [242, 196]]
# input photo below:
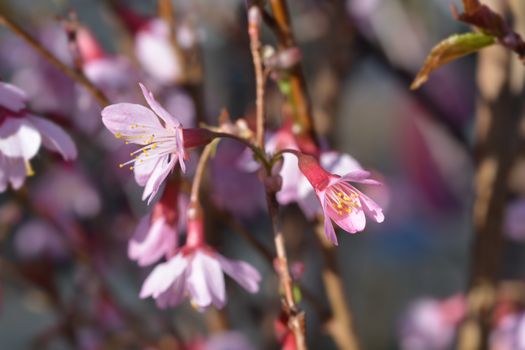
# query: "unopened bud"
[[254, 21]]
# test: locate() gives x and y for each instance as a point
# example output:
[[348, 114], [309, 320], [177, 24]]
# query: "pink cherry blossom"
[[161, 136], [22, 134], [157, 233], [340, 201], [197, 271]]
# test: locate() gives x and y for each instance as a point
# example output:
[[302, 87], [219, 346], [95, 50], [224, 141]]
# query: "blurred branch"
[[281, 25], [166, 12], [499, 114], [340, 325], [72, 73]]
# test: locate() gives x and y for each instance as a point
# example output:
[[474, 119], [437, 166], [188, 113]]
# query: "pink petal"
[[163, 276], [356, 176], [371, 208], [131, 120], [352, 222], [328, 226], [151, 241], [17, 172], [243, 273], [54, 138], [23, 143], [291, 176], [11, 97], [158, 109], [174, 295], [12, 170], [339, 163], [143, 168], [206, 282], [159, 174]]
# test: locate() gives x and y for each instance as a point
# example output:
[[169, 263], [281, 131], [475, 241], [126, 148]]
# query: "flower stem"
[[199, 173], [78, 76]]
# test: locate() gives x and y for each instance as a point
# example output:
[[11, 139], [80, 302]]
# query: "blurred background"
[[66, 281]]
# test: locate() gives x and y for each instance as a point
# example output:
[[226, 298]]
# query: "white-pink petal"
[[163, 276], [158, 109], [243, 273], [54, 138], [23, 143], [131, 121], [12, 98], [12, 170], [159, 174]]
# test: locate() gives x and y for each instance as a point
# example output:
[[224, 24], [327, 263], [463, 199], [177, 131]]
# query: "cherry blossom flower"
[[21, 134], [157, 233], [163, 139], [340, 201], [197, 271]]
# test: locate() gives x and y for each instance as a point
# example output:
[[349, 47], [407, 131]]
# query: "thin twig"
[[299, 95], [72, 73], [254, 26]]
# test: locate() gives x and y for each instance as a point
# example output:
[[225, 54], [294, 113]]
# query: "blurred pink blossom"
[[157, 233], [21, 134], [341, 202], [430, 324], [509, 333], [37, 239], [197, 271], [155, 53]]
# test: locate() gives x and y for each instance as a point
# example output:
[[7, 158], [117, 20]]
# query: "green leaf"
[[297, 294], [454, 47]]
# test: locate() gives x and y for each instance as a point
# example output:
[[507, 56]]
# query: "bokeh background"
[[359, 57]]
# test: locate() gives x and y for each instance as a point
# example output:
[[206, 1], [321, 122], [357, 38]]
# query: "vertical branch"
[[299, 94], [254, 23], [167, 13], [78, 76], [296, 318], [499, 113], [340, 325]]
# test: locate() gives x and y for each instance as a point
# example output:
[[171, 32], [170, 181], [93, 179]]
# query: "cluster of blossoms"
[[196, 269]]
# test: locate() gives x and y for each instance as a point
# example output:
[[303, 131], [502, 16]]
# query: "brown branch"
[[296, 317], [72, 73], [500, 112], [299, 93], [254, 23]]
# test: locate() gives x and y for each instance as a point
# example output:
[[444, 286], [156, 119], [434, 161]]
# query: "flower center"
[[154, 145], [343, 198]]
